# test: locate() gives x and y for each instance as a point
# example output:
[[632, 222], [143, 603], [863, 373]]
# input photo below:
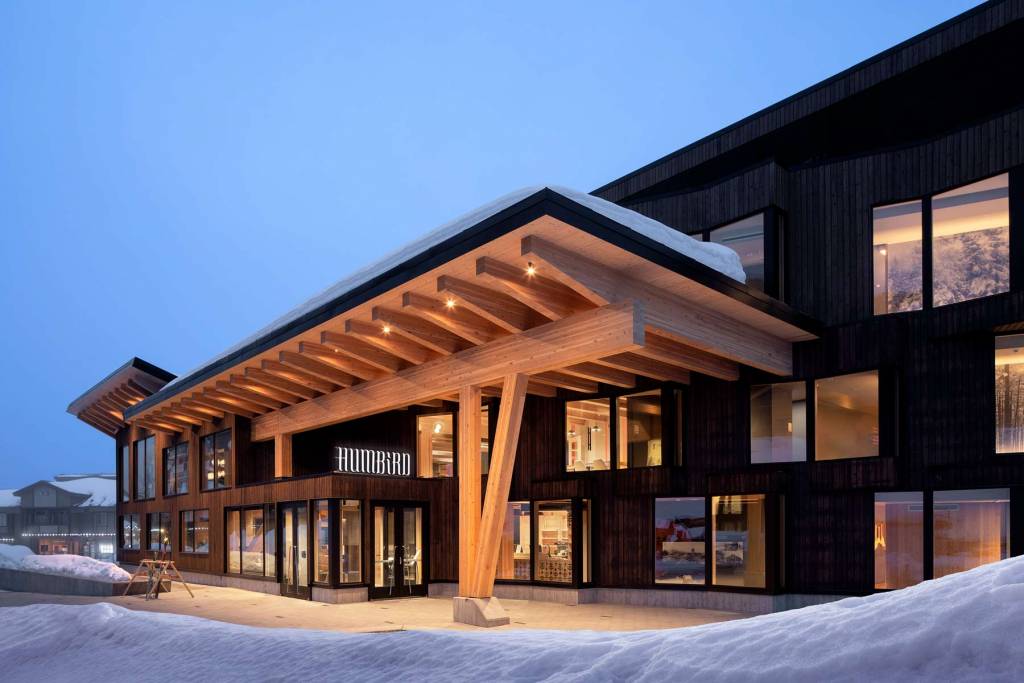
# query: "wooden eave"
[[103, 405]]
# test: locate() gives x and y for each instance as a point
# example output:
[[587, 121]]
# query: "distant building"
[[72, 514]]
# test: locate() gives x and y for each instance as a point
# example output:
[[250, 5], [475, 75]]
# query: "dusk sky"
[[175, 175]]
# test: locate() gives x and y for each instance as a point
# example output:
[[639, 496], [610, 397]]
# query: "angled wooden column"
[[499, 481], [469, 485], [282, 455]]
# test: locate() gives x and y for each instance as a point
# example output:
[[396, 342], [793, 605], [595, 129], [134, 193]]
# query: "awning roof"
[[103, 405]]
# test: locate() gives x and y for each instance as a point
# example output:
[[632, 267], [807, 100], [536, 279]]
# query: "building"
[[644, 420], [72, 514]]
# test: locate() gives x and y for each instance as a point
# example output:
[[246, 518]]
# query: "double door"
[[295, 550], [399, 562]]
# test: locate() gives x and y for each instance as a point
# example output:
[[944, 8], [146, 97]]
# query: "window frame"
[[176, 449], [776, 255], [269, 513], [227, 461], [183, 535], [147, 476], [161, 516], [133, 523], [454, 415]]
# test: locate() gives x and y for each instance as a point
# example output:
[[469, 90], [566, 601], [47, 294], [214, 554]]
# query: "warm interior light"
[[531, 270], [449, 302], [387, 329], [883, 252], [438, 427]]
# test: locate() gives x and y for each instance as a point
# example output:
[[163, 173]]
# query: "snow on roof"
[[716, 256], [102, 492], [962, 627], [8, 499]]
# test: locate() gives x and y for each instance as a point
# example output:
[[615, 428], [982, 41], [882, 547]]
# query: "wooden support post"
[[282, 455], [469, 485], [499, 481]]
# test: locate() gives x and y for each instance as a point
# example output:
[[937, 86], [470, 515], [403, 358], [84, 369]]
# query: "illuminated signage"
[[372, 461]]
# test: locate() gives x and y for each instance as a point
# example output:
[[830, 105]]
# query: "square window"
[[778, 422], [587, 442], [846, 416]]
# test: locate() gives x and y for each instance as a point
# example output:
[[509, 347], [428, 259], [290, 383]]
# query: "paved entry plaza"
[[256, 609]]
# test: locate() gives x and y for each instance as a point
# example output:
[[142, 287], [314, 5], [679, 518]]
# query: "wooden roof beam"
[[497, 307], [647, 367], [232, 404], [96, 418], [603, 374], [380, 335], [164, 418], [293, 375], [155, 425], [246, 384], [564, 381], [179, 416], [420, 330], [143, 391], [337, 359], [264, 379], [454, 318], [205, 415], [548, 297], [250, 395], [317, 368], [699, 327], [206, 408], [661, 348], [362, 351]]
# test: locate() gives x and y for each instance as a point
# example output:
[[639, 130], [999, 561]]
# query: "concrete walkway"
[[257, 609]]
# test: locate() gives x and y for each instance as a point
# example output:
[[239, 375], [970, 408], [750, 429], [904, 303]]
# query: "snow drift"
[[961, 627], [21, 558]]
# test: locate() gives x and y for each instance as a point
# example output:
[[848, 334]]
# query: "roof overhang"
[[103, 405], [468, 303]]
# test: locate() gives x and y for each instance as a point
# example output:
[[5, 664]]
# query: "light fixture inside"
[[531, 269], [438, 427], [387, 329], [449, 302]]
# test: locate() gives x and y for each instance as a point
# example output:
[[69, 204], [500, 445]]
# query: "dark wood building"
[[844, 415]]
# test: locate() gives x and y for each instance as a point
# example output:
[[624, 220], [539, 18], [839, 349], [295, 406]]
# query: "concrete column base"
[[486, 612]]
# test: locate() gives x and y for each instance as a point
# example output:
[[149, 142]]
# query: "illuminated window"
[[899, 539], [971, 528], [322, 534], [553, 558], [778, 422], [158, 525], [350, 544], [587, 439], [195, 531], [216, 453], [1009, 401], [176, 469], [251, 541], [738, 538], [846, 416], [514, 552], [897, 258], [485, 440], [145, 468], [639, 430], [435, 445], [126, 487], [130, 532], [680, 545]]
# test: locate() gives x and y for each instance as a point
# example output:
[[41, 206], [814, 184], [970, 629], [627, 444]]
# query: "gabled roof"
[[94, 491]]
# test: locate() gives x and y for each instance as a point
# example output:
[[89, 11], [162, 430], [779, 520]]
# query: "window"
[[778, 422], [514, 552], [970, 528], [195, 531], [680, 549], [738, 537], [485, 440], [250, 541], [216, 452], [846, 416], [322, 532], [350, 543], [130, 533], [587, 441], [145, 468], [126, 479], [554, 542], [435, 445], [971, 241], [746, 238], [899, 539], [176, 469], [3, 519], [897, 258], [158, 525], [639, 429], [1010, 394]]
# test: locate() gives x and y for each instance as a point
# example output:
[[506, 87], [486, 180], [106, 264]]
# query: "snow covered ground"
[[963, 627], [20, 557]]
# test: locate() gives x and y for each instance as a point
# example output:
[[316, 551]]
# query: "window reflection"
[[897, 258], [971, 528], [250, 540], [216, 450], [350, 545], [514, 552], [587, 440], [739, 541], [746, 238], [322, 530], [778, 422], [159, 526], [971, 241], [899, 539], [846, 416], [639, 429], [1010, 394], [679, 540]]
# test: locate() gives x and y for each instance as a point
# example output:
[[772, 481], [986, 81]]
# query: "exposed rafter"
[[454, 318], [497, 307], [362, 351], [380, 335], [544, 295], [420, 330], [341, 361], [317, 368], [290, 374]]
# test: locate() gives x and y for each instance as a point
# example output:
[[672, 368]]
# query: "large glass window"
[[639, 429], [679, 540], [159, 529], [970, 528], [514, 552], [899, 539], [126, 487], [1010, 394], [971, 241], [250, 541], [176, 469], [216, 453], [897, 258], [130, 532], [778, 422], [553, 551], [435, 445], [195, 531], [322, 533], [738, 537], [846, 416], [746, 238], [145, 468], [588, 445], [350, 542]]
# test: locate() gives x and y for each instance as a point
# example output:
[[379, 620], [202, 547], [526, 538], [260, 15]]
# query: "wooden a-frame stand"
[[161, 567]]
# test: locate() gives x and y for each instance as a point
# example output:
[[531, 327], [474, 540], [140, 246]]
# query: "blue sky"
[[175, 175]]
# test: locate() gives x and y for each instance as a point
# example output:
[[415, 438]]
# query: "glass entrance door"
[[295, 550], [399, 563]]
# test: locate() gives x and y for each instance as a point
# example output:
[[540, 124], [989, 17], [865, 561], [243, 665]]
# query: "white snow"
[[21, 558], [715, 256], [963, 627], [102, 491], [8, 499]]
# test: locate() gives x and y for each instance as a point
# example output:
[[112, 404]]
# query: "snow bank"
[[21, 558], [961, 627]]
